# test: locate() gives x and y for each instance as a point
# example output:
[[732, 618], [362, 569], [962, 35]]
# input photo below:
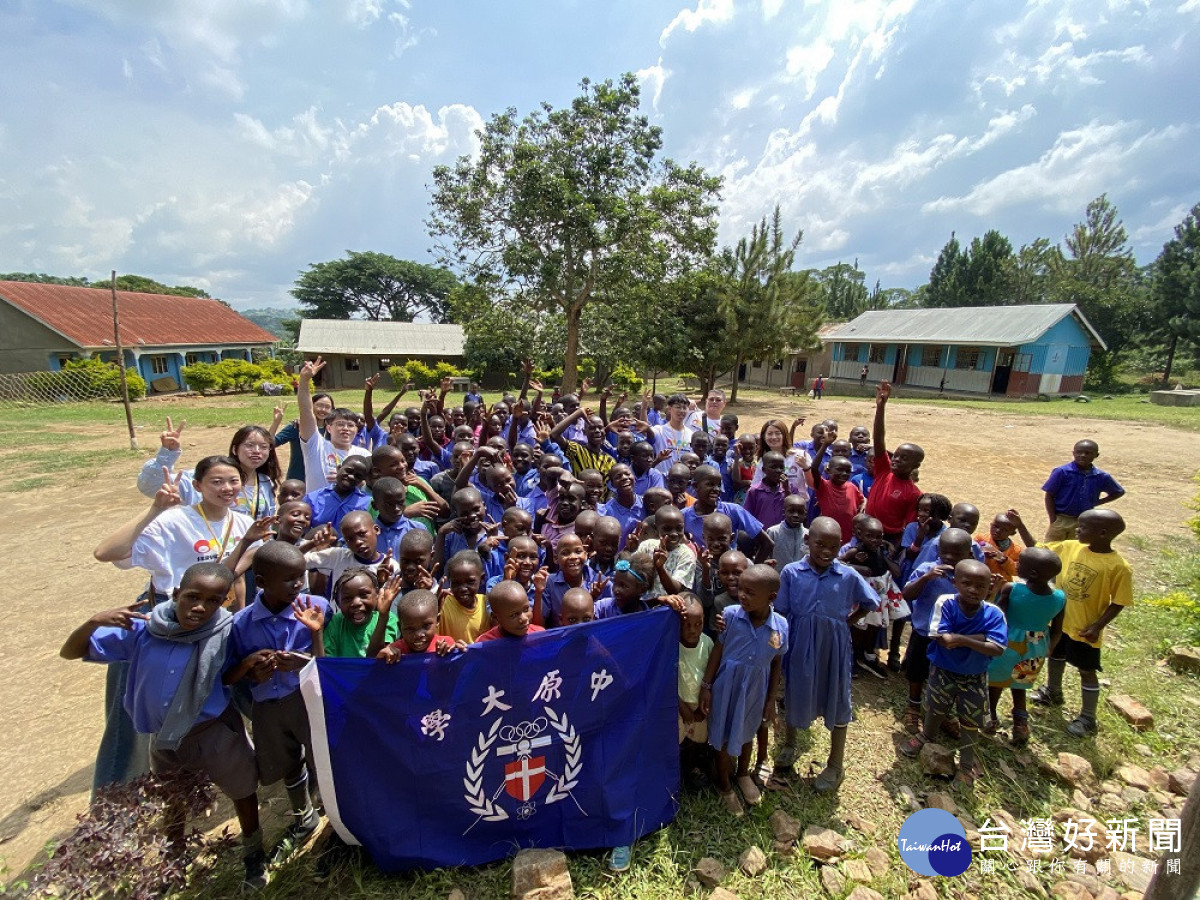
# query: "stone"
[[1184, 659], [783, 848], [541, 875], [923, 891], [723, 894], [456, 894], [1026, 880], [938, 800], [1143, 750], [832, 881], [1070, 890], [1111, 803], [1092, 882], [909, 796], [752, 862], [1076, 771], [709, 872], [1134, 776], [1132, 711], [823, 843], [1137, 878], [864, 893], [858, 870], [1133, 796], [784, 827], [937, 760], [1107, 893], [1080, 799], [1109, 786], [879, 861], [1180, 781], [858, 823], [1160, 780], [1132, 895]]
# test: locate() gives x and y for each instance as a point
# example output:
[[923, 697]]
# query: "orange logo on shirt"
[[202, 546]]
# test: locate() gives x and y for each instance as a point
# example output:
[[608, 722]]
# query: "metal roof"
[[988, 326], [351, 337]]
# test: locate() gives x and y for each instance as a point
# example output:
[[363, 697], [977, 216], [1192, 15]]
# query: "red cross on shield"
[[523, 777]]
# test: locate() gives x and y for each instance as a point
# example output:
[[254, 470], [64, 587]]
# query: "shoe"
[[750, 792], [697, 780], [912, 747], [761, 775], [870, 665], [732, 804], [965, 778], [619, 859], [295, 837], [787, 757], [1020, 734], [256, 871], [1081, 726], [990, 727], [1043, 696], [828, 780], [893, 663], [912, 719], [952, 728]]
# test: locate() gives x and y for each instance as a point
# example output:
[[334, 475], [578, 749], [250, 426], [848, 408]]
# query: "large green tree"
[[1174, 309], [571, 207], [977, 276], [842, 290], [946, 288], [374, 286]]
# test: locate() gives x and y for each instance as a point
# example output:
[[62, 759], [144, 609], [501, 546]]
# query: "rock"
[[937, 760], [823, 843], [938, 800], [1107, 893], [541, 875], [858, 823], [858, 870], [709, 872], [783, 848], [1109, 786], [909, 796], [864, 893], [1134, 776], [1160, 780], [722, 894], [1070, 890], [753, 862], [1026, 880], [1137, 877], [1092, 883], [1143, 750], [1111, 803], [1132, 711], [456, 894], [878, 861], [1180, 781], [1184, 659], [784, 827], [1080, 799], [1133, 796], [923, 891], [1132, 895], [832, 881], [1076, 771]]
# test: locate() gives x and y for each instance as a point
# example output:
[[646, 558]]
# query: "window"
[[64, 358], [158, 365], [931, 355], [878, 353], [757, 364], [384, 364], [967, 358], [778, 366], [351, 363], [191, 359]]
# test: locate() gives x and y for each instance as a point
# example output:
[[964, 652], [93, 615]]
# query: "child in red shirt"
[[894, 494], [418, 614], [837, 497], [510, 611]]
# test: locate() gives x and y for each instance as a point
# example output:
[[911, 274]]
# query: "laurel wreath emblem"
[[473, 782], [572, 752]]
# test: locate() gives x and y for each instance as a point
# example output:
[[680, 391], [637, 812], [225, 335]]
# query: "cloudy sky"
[[229, 143]]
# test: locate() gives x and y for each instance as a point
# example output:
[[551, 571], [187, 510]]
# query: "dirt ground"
[[50, 720]]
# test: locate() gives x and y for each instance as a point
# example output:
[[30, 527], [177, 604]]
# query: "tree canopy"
[[374, 286], [1174, 311], [570, 207]]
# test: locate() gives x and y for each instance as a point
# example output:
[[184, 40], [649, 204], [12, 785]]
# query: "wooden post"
[[133, 444]]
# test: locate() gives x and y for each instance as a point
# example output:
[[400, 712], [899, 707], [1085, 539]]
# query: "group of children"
[[788, 562]]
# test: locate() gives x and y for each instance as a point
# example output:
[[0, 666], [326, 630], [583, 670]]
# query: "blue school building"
[[1013, 351], [43, 326]]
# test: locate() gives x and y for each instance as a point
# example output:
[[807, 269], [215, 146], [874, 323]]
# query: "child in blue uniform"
[[741, 681], [819, 596]]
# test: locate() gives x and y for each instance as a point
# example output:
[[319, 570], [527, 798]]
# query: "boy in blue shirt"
[[1074, 488], [177, 654], [274, 637], [967, 633], [331, 503]]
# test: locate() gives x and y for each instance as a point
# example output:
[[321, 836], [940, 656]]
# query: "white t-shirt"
[[179, 538], [334, 561], [667, 438], [695, 419], [321, 460]]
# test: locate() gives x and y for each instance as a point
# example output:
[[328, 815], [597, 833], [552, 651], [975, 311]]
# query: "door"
[[1004, 365], [900, 372]]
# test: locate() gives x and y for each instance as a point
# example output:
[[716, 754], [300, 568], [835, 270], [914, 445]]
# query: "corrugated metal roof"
[[352, 337], [83, 315], [973, 325]]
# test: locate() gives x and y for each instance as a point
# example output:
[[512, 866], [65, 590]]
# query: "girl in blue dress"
[[742, 678]]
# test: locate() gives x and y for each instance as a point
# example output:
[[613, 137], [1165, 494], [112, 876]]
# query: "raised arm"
[[557, 431], [879, 431], [368, 405], [76, 644], [1022, 529], [119, 545], [604, 395], [308, 421], [814, 470], [150, 479]]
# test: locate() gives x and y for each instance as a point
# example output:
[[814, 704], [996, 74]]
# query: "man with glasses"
[[674, 436], [709, 418]]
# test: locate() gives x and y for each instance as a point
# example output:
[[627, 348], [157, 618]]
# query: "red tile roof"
[[84, 316]]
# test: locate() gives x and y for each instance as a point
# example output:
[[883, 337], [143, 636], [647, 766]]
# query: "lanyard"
[[223, 541]]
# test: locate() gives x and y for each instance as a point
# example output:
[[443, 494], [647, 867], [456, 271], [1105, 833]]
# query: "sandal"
[[761, 775], [912, 719], [829, 780], [912, 747], [750, 792], [787, 757], [1020, 734], [732, 804], [1046, 697]]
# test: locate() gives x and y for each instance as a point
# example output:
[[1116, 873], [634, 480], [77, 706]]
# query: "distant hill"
[[272, 320]]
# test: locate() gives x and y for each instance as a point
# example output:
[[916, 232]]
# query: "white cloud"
[[706, 12], [652, 79], [770, 9], [806, 62], [362, 13]]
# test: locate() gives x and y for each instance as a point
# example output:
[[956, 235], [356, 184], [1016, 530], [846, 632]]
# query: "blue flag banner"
[[565, 739]]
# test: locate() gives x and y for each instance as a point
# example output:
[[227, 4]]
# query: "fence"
[[22, 389]]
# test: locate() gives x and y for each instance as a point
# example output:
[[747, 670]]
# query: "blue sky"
[[229, 143]]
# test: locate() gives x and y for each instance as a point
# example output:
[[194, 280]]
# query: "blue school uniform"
[[552, 596], [496, 579], [456, 542], [527, 482], [329, 507], [156, 668], [654, 417], [819, 660], [922, 605], [426, 468], [652, 479], [370, 438], [863, 481], [858, 464], [739, 691], [607, 608], [391, 535], [494, 509], [948, 618], [1075, 491], [628, 516], [257, 628], [693, 522], [929, 553]]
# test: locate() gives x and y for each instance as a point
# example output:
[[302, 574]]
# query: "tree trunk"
[[1181, 885], [571, 360], [737, 370], [1166, 381]]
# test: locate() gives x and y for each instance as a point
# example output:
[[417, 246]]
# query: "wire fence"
[[24, 389]]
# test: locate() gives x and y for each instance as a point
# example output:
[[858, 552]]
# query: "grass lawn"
[[1122, 407]]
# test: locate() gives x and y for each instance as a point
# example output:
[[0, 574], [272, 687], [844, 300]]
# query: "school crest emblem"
[[512, 763]]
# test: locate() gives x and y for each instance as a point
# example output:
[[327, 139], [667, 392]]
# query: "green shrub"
[[104, 379], [234, 375], [421, 375], [201, 377], [627, 380]]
